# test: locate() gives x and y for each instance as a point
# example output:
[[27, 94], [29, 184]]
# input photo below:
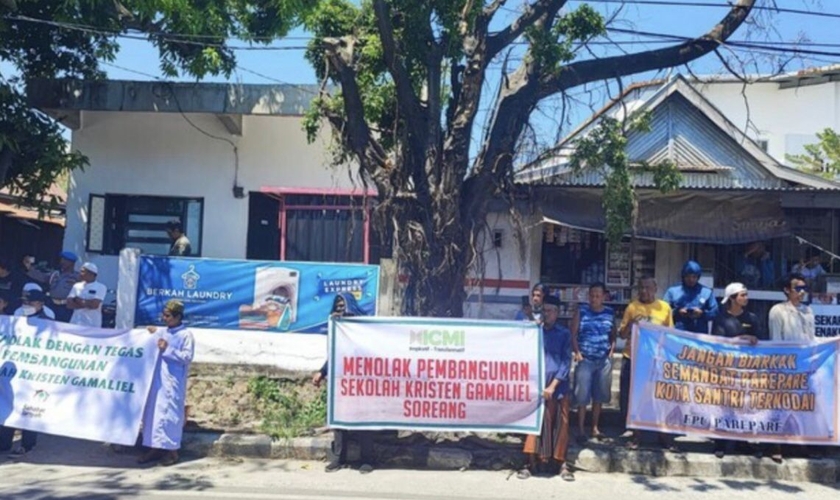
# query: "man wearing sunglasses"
[[794, 319]]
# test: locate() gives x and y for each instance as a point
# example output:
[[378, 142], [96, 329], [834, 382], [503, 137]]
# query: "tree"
[[822, 158], [411, 76], [67, 39]]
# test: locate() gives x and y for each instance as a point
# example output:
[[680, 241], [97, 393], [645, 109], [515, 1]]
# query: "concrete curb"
[[599, 459]]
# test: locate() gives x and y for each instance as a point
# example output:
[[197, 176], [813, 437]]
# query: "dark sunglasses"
[[800, 289]]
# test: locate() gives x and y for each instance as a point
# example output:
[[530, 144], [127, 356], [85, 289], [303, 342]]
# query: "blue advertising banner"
[[253, 295], [773, 392]]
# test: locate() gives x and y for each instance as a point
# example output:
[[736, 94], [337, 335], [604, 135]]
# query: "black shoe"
[[333, 466], [719, 453]]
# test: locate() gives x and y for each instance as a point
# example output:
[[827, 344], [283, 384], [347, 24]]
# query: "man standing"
[[692, 303], [163, 417], [180, 243], [553, 440], [735, 322], [593, 342], [86, 296], [646, 308], [61, 282], [792, 320]]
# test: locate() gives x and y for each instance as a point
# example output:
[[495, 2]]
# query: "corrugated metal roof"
[[686, 129], [690, 180]]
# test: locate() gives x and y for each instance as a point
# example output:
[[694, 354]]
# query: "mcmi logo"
[[190, 278]]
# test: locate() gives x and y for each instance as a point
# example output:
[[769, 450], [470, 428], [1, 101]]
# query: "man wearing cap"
[[34, 300], [85, 298], [735, 321], [61, 282], [163, 417], [738, 323]]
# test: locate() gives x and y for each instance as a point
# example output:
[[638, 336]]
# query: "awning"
[[717, 217]]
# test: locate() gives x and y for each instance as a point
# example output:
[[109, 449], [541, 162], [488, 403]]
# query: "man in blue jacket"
[[694, 305]]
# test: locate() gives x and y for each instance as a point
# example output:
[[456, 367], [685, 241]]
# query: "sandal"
[[566, 474], [523, 474], [599, 436], [171, 458], [632, 444]]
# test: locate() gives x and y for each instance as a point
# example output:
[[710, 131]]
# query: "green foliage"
[[71, 37], [556, 46], [286, 411], [603, 150], [822, 158]]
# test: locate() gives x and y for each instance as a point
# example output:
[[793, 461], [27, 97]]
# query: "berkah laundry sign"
[[253, 295]]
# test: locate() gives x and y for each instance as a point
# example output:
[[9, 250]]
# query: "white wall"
[[786, 118], [162, 154], [509, 271]]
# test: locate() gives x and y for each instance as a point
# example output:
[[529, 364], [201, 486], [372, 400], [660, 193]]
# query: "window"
[[324, 228], [127, 221]]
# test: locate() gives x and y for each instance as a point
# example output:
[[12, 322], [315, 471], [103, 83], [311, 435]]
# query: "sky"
[[138, 60]]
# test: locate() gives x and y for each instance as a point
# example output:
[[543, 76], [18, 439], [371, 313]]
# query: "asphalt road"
[[74, 470]]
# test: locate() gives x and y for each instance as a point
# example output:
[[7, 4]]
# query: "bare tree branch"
[[372, 157], [592, 70], [406, 97]]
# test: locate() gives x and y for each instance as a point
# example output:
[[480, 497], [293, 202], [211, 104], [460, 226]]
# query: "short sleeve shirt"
[[657, 312], [88, 291]]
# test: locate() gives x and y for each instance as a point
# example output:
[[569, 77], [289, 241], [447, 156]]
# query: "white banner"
[[438, 374], [826, 320], [74, 381]]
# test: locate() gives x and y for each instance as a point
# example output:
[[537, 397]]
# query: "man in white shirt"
[[86, 296], [793, 320]]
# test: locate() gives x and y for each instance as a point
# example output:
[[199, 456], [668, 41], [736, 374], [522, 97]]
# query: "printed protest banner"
[[75, 381], [253, 295], [826, 320], [774, 392], [435, 374]]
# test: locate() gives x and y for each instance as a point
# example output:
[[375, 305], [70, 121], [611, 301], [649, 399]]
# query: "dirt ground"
[[218, 396]]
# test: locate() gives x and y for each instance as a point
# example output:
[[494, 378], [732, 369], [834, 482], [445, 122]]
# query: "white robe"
[[163, 418]]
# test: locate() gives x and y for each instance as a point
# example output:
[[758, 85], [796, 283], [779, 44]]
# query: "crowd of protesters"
[[76, 297], [582, 355]]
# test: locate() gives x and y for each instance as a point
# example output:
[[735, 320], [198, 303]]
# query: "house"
[[32, 230], [230, 162], [734, 197]]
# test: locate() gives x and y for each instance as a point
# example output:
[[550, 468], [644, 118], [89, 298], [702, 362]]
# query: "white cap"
[[90, 267], [32, 286], [732, 289]]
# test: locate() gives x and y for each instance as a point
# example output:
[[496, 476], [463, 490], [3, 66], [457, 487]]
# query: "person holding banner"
[[793, 319], [345, 305], [735, 322], [553, 439], [593, 342], [646, 308], [163, 418]]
